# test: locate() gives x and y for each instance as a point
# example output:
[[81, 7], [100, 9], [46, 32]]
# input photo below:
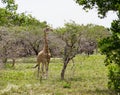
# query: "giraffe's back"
[[43, 57]]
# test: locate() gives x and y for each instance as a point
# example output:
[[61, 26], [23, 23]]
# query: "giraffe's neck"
[[45, 48]]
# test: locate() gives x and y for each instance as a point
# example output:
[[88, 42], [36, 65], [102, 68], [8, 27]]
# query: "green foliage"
[[116, 27], [10, 5], [111, 48], [27, 20], [66, 84], [103, 6], [95, 32], [9, 17], [70, 35], [114, 78], [5, 17]]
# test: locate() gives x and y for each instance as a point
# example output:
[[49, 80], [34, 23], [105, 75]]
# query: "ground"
[[88, 76]]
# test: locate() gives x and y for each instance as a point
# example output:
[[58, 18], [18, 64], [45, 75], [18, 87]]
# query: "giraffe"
[[44, 55]]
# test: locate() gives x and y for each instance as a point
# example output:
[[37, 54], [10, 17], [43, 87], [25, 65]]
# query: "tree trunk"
[[63, 70], [1, 64], [4, 60], [13, 63]]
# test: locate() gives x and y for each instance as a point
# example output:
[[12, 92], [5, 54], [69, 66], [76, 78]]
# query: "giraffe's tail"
[[35, 66]]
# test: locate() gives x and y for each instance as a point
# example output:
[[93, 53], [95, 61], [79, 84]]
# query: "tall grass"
[[87, 76]]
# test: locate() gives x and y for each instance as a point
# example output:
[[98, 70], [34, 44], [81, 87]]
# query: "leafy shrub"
[[66, 85], [114, 78], [110, 46]]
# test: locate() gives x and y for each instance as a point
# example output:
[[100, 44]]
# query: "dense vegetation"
[[109, 46], [21, 36]]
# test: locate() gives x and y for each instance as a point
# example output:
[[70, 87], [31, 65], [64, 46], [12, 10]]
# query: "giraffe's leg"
[[46, 67], [38, 70], [42, 68]]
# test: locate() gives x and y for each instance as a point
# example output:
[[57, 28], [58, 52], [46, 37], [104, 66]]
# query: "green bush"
[[110, 46], [114, 78], [66, 84]]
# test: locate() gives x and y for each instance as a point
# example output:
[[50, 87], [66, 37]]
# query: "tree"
[[70, 35], [1, 64], [103, 6], [10, 5], [90, 36], [11, 46], [9, 17], [77, 39], [5, 17], [56, 44], [110, 45], [33, 39], [7, 13]]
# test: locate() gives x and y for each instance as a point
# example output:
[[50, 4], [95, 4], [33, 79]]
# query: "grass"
[[88, 76]]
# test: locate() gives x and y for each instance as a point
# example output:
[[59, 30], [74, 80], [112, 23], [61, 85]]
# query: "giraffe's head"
[[48, 29]]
